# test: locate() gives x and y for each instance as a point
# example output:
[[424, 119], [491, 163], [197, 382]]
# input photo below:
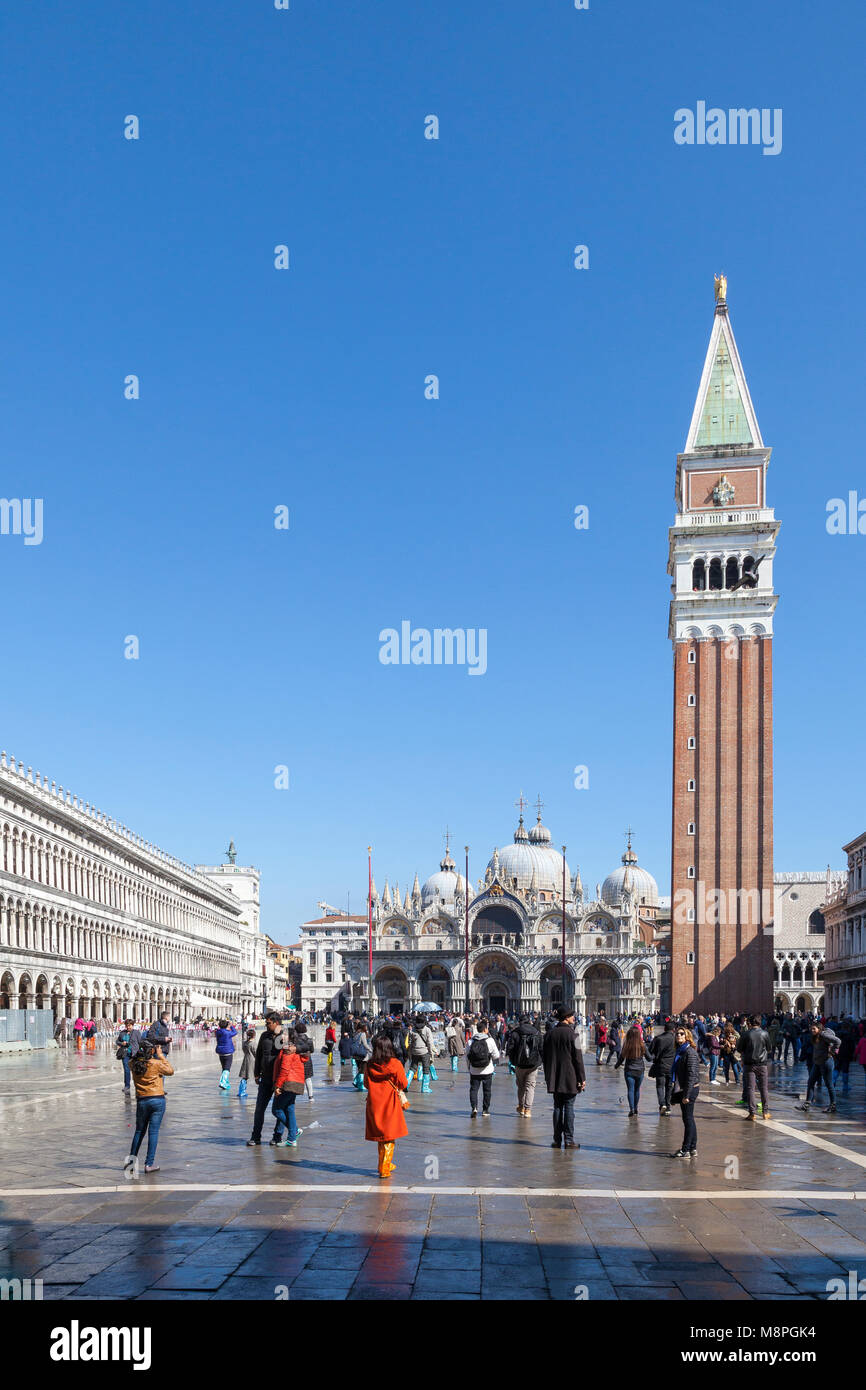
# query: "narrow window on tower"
[[691, 829], [732, 572], [690, 785], [699, 575], [693, 700], [691, 743], [693, 656], [691, 871], [715, 574]]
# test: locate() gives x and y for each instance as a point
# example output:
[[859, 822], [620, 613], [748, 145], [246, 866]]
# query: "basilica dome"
[[643, 886], [531, 860], [441, 889]]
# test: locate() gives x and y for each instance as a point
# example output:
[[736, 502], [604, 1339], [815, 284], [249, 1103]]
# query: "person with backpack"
[[524, 1054], [662, 1050], [420, 1054], [361, 1052], [754, 1049], [455, 1043], [824, 1047], [482, 1055]]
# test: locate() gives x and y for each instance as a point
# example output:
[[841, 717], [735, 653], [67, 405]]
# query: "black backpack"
[[525, 1051], [479, 1053]]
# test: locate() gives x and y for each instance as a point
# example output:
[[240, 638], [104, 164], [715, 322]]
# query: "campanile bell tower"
[[721, 552]]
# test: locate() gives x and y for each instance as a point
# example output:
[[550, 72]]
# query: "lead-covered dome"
[[640, 882], [441, 888], [531, 860]]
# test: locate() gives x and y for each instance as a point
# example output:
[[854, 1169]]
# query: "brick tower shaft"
[[721, 553]]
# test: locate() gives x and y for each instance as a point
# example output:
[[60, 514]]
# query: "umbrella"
[[428, 1008]]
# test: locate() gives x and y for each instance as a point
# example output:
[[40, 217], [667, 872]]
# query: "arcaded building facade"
[[97, 922], [845, 914]]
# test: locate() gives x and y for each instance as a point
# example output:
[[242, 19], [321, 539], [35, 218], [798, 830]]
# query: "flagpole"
[[370, 924], [466, 918], [563, 925]]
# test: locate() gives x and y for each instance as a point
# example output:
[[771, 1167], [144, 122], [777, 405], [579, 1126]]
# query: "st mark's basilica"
[[616, 944]]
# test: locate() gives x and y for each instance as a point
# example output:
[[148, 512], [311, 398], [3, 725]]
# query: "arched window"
[[732, 572], [715, 574], [816, 922], [555, 943], [699, 576]]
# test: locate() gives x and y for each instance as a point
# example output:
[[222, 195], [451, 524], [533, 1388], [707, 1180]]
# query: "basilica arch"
[[495, 976], [434, 985], [497, 919], [392, 989], [601, 988], [550, 986]]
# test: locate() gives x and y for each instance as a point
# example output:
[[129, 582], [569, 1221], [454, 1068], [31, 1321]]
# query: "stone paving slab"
[[507, 1217]]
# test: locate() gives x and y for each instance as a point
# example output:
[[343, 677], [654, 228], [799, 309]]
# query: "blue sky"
[[306, 388]]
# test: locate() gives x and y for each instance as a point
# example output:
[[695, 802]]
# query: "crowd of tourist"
[[387, 1053]]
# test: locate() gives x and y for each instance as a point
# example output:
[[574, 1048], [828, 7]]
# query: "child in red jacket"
[[288, 1083]]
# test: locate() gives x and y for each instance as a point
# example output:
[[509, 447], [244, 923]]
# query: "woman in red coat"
[[386, 1080]]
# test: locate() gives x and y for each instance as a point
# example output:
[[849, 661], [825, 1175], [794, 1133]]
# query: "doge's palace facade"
[[96, 921]]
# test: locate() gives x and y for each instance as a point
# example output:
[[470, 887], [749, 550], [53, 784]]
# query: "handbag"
[[401, 1096], [654, 1069], [295, 1088]]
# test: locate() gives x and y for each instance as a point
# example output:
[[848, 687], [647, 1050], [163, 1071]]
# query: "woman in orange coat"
[[386, 1080]]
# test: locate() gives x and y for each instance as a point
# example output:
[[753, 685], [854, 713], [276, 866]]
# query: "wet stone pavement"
[[493, 1212]]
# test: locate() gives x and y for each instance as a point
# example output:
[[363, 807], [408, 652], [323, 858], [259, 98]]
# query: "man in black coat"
[[267, 1052], [158, 1034], [565, 1076], [663, 1050]]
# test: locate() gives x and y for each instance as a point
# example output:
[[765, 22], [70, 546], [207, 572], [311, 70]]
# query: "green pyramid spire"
[[723, 417]]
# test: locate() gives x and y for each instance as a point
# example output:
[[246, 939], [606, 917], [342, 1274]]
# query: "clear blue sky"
[[558, 387]]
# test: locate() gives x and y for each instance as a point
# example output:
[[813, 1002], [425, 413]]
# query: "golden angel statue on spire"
[[721, 283]]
